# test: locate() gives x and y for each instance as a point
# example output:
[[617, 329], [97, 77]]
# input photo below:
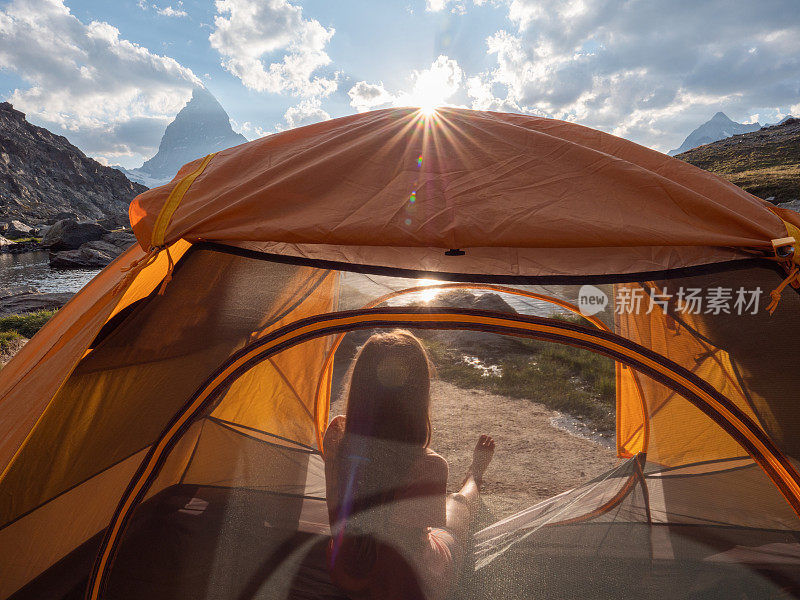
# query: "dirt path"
[[533, 460]]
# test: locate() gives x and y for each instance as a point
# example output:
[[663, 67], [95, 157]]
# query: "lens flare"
[[427, 296]]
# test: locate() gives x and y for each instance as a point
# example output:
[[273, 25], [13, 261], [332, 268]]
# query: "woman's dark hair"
[[387, 427], [388, 390]]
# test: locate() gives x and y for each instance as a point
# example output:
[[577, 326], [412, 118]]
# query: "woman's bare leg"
[[462, 506]]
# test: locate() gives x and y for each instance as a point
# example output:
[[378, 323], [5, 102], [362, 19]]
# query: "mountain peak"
[[719, 127], [201, 127], [204, 104]]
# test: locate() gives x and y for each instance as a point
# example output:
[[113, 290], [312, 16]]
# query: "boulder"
[[114, 221], [6, 291], [103, 246], [68, 234], [20, 300], [63, 215], [121, 239], [4, 241], [83, 258], [95, 253], [791, 205], [19, 247], [14, 230]]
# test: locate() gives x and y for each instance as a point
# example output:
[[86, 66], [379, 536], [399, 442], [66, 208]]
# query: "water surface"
[[33, 269]]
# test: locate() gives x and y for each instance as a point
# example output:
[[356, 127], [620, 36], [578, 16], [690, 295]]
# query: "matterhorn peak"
[[200, 128]]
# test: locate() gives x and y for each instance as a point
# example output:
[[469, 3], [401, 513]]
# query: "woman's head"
[[389, 390]]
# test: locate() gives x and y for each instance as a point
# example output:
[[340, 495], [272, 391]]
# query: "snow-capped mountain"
[[718, 128], [201, 127]]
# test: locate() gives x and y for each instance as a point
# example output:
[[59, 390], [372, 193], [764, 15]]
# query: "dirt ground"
[[533, 460]]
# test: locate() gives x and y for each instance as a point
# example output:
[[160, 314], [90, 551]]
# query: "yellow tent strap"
[[160, 229], [173, 201], [792, 260]]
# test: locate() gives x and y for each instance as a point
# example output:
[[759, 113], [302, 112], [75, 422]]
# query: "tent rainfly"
[[161, 436]]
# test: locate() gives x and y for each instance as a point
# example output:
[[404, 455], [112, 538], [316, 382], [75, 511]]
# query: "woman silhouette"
[[396, 533]]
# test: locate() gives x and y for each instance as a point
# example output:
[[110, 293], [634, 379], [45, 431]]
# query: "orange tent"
[[204, 359]]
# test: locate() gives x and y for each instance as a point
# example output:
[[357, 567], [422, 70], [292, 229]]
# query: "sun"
[[428, 109], [430, 91]]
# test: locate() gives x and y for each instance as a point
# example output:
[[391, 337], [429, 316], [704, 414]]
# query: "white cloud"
[[169, 11], [366, 96], [479, 89], [247, 32], [249, 130], [107, 94], [428, 88], [166, 11], [648, 70], [456, 6], [436, 5], [307, 112]]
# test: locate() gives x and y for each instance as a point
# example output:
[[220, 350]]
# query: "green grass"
[[6, 340], [572, 380], [25, 325], [27, 239]]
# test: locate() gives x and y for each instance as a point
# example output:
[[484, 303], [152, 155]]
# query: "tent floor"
[[190, 542], [597, 560], [214, 543]]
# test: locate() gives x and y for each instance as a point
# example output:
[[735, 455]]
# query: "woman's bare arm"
[[330, 446]]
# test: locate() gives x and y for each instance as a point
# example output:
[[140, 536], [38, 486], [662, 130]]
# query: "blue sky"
[[111, 75]]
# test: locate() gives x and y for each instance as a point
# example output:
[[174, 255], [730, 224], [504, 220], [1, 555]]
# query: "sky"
[[110, 75]]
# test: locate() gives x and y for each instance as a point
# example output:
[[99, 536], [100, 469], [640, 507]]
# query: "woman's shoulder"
[[435, 462], [334, 433]]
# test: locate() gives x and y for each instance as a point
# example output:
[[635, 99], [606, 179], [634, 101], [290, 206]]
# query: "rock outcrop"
[[95, 253], [14, 230], [26, 299], [44, 178], [68, 234], [791, 205]]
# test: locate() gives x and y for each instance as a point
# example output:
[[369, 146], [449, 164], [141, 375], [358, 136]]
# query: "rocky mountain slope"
[[766, 162], [201, 127], [718, 128], [43, 177]]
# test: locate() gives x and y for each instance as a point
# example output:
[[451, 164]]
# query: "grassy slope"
[[765, 163], [563, 378], [16, 327]]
